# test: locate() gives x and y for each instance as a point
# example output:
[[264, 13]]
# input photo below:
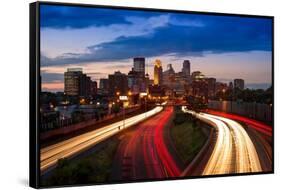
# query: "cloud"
[[51, 77], [161, 34], [63, 17], [180, 40], [75, 17]]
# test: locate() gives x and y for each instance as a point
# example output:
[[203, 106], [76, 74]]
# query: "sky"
[[102, 41]]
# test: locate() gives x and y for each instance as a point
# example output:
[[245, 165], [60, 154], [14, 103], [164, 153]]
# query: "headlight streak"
[[51, 154], [231, 136]]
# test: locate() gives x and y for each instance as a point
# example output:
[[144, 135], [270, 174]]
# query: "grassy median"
[[93, 168], [188, 135]]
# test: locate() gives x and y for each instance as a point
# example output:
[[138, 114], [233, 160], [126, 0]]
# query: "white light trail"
[[51, 154]]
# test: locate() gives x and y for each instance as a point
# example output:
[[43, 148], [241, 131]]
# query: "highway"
[[260, 134], [259, 126], [51, 154], [234, 152], [143, 154]]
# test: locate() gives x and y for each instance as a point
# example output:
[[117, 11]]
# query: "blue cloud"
[[185, 35], [221, 34], [59, 16], [51, 77]]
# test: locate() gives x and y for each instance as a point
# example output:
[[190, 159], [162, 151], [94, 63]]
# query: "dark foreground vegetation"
[[93, 168], [188, 134]]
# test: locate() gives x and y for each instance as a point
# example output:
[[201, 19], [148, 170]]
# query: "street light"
[[129, 97], [123, 99]]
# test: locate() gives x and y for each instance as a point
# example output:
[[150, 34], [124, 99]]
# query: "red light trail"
[[259, 126], [162, 150]]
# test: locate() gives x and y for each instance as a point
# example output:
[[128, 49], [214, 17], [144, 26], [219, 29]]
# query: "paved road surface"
[[67, 148], [142, 153], [234, 151]]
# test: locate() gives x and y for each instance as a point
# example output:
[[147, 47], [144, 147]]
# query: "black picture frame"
[[35, 87]]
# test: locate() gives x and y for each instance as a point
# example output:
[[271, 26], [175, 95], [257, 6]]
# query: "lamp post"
[[123, 98]]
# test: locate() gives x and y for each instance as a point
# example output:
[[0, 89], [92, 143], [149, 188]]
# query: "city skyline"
[[143, 95], [220, 50]]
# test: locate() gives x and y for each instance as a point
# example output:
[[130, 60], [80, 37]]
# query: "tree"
[[196, 104]]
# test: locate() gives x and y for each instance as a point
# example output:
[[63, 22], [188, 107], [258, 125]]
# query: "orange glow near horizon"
[[52, 86]]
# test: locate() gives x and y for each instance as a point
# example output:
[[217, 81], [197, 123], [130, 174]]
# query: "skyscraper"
[[158, 71], [186, 69], [211, 86], [134, 81], [104, 84], [139, 65], [72, 81], [169, 76], [118, 82], [239, 83], [78, 84]]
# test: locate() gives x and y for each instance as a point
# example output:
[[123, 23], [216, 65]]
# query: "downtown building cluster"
[[166, 83]]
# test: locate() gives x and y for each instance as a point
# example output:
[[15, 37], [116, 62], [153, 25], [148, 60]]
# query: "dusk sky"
[[102, 41]]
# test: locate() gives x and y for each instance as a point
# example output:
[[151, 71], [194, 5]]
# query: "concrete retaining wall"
[[262, 112]]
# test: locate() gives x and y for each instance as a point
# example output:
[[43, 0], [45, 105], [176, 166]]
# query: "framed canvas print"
[[121, 94]]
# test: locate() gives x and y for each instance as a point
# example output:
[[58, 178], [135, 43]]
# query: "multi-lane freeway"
[[67, 148], [234, 151], [143, 154]]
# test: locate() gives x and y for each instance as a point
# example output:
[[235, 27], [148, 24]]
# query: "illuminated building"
[[199, 84], [197, 75], [78, 84], [158, 72], [72, 81], [118, 82], [134, 81]]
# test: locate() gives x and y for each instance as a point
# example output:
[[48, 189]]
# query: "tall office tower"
[[186, 69], [239, 83], [169, 76], [118, 82], [134, 81], [211, 86], [72, 81], [139, 66], [158, 72], [104, 84]]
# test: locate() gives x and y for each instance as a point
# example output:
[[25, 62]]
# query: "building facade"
[[139, 66], [78, 84], [239, 83], [72, 81], [211, 87], [118, 82], [186, 69], [158, 72]]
